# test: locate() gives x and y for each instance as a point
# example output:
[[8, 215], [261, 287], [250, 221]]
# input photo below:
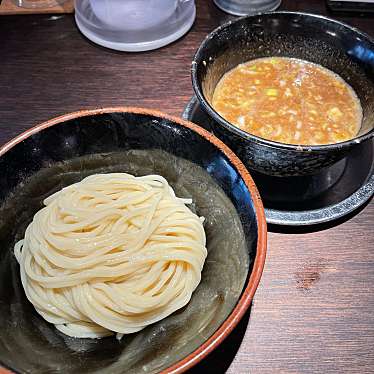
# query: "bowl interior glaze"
[[338, 47], [140, 143]]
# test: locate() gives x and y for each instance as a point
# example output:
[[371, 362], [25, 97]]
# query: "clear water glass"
[[246, 7], [134, 25]]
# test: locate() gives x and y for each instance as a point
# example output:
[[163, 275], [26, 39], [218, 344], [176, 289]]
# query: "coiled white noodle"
[[111, 254]]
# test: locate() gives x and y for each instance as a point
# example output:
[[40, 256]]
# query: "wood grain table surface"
[[314, 309]]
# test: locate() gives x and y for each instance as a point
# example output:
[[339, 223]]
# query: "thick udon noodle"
[[111, 254]]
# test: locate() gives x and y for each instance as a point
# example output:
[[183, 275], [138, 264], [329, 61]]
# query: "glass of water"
[[134, 25], [245, 7]]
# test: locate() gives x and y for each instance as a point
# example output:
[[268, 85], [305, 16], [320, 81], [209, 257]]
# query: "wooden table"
[[314, 309]]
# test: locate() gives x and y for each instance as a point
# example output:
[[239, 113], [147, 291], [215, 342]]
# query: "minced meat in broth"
[[289, 101]]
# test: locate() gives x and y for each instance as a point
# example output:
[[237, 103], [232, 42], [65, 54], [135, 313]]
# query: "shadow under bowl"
[[64, 150], [332, 44]]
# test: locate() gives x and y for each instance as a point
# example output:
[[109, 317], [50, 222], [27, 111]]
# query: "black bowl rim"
[[247, 136], [251, 285]]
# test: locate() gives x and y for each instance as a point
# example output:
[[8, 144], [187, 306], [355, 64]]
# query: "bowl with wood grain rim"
[[197, 165], [339, 47]]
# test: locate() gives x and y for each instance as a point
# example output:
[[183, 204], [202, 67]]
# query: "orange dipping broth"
[[288, 101]]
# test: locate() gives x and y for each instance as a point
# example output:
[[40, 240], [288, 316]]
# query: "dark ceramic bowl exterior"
[[337, 46], [87, 133]]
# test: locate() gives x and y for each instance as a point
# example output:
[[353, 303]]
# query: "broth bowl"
[[197, 165], [340, 48]]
